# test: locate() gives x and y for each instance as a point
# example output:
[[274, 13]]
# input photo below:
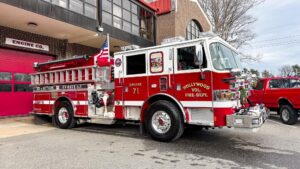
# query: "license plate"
[[238, 121]]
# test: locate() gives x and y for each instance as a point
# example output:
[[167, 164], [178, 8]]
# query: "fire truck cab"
[[164, 88]]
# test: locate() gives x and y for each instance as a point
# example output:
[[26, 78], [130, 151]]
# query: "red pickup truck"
[[279, 94]]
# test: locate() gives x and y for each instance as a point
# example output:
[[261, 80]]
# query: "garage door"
[[15, 91]]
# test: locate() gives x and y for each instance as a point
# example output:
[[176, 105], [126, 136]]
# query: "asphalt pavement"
[[274, 145]]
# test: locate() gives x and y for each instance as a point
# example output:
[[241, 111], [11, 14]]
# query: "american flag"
[[103, 58], [104, 51]]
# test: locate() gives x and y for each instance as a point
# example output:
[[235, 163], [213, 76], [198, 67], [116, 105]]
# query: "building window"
[[193, 30], [107, 18], [22, 88], [5, 82], [5, 76], [84, 7], [61, 3], [128, 16], [22, 77], [117, 22], [90, 11], [5, 88]]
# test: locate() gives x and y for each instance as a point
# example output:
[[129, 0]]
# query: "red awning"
[[159, 6]]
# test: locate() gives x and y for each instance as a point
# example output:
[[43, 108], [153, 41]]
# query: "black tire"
[[292, 114], [176, 128], [70, 122]]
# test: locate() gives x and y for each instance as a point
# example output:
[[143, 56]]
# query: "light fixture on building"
[[32, 24], [100, 29]]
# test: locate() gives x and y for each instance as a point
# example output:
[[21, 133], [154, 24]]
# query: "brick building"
[[41, 30], [184, 18]]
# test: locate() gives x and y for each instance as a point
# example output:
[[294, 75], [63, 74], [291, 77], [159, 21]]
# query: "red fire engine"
[[164, 88]]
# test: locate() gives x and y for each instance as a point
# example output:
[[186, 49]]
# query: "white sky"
[[278, 35]]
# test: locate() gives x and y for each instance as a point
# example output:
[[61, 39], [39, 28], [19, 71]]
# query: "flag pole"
[[108, 48]]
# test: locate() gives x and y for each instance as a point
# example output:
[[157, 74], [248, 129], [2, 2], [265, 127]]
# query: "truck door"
[[133, 87], [193, 82], [257, 94], [274, 90]]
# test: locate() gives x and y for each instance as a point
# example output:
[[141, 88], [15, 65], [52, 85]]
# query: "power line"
[[291, 24], [276, 39], [273, 45]]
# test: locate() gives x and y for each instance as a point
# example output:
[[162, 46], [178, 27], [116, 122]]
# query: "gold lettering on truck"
[[196, 84], [135, 84], [196, 91]]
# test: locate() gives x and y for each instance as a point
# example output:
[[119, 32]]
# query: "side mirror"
[[199, 53]]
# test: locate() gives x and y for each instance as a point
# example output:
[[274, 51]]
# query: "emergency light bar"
[[130, 47], [173, 40]]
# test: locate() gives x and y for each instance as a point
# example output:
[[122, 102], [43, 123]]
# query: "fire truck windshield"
[[223, 58]]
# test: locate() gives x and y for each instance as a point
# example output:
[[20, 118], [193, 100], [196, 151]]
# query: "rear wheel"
[[64, 115], [288, 114], [164, 121]]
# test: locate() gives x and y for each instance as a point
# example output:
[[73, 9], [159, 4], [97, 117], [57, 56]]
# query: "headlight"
[[224, 95], [255, 121]]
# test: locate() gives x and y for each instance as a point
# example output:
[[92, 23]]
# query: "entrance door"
[[15, 91]]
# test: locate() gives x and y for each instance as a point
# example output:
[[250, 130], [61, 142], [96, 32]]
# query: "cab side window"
[[275, 84], [187, 58], [136, 64], [285, 83], [260, 85], [294, 83]]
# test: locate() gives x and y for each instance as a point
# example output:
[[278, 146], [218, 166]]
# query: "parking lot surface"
[[24, 144]]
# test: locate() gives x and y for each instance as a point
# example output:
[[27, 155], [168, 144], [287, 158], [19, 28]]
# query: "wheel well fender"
[[161, 96], [61, 99], [284, 101]]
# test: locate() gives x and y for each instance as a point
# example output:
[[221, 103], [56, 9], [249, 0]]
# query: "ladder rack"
[[73, 75]]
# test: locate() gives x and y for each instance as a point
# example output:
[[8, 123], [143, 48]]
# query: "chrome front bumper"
[[254, 117]]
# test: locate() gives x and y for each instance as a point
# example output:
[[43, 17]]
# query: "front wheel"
[[288, 114], [64, 115], [164, 121]]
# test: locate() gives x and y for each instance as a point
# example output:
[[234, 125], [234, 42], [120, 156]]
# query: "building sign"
[[25, 44], [60, 87]]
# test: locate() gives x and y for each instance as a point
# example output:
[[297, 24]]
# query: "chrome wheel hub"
[[285, 115], [63, 115], [161, 122]]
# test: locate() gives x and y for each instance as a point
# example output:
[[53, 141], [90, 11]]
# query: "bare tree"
[[296, 69], [254, 72], [266, 74], [250, 58], [285, 70], [231, 19]]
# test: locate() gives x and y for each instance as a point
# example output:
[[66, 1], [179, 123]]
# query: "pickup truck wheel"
[[164, 121], [288, 115], [64, 116]]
